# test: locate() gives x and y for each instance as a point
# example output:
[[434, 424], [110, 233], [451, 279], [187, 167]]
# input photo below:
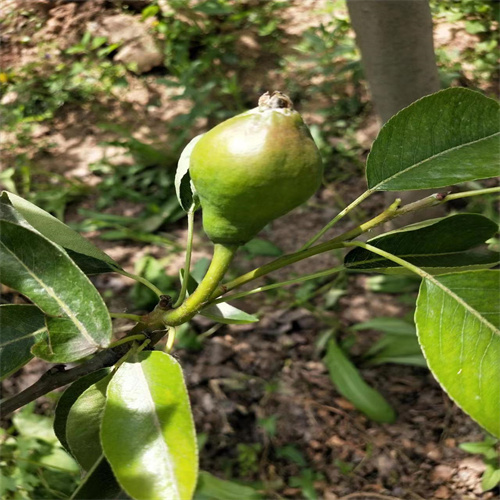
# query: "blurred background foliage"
[[217, 57]]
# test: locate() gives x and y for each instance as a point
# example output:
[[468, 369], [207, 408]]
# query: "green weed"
[[33, 462]]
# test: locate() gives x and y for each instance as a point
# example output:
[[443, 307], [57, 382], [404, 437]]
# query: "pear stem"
[[222, 258]]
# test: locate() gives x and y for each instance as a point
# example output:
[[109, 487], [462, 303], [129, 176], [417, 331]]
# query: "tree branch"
[[58, 376]]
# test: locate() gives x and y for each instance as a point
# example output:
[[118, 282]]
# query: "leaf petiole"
[[125, 340], [339, 216], [475, 192], [141, 280], [170, 339], [187, 265], [134, 317], [281, 284]]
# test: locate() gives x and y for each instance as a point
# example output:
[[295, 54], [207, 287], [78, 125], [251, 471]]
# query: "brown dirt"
[[247, 373]]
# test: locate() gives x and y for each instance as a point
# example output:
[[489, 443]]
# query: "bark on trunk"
[[396, 43]]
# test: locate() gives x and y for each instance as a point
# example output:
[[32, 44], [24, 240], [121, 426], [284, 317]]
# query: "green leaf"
[[99, 484], [399, 345], [147, 430], [442, 139], [393, 283], [228, 314], [186, 193], [398, 349], [33, 425], [480, 447], [60, 459], [223, 312], [83, 424], [350, 384], [437, 245], [394, 326], [210, 487], [491, 477], [475, 27], [21, 325], [90, 265], [458, 319], [259, 247], [83, 252], [68, 398], [306, 482], [291, 453], [77, 319]]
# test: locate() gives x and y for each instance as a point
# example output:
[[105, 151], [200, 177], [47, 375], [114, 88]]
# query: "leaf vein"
[[51, 293], [17, 339], [433, 157]]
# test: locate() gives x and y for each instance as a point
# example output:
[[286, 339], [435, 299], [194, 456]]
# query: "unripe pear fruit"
[[254, 168]]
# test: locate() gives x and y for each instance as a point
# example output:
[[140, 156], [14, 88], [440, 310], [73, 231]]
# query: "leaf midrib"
[[157, 424], [64, 307], [462, 302], [27, 336], [437, 155], [407, 256]]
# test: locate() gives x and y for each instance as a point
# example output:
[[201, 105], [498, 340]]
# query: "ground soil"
[[248, 373]]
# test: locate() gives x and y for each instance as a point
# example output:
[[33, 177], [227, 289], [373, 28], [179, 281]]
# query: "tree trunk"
[[395, 39]]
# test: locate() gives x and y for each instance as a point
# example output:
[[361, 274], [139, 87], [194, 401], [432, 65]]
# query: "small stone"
[[442, 473], [385, 465], [407, 443], [335, 441], [442, 492], [433, 452], [315, 445], [475, 464], [329, 495]]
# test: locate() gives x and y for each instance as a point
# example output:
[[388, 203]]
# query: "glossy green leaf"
[[77, 319], [67, 400], [351, 385], [228, 314], [90, 265], [223, 312], [442, 139], [99, 484], [458, 320], [83, 424], [186, 193], [91, 259], [21, 325], [438, 246], [210, 487], [147, 401]]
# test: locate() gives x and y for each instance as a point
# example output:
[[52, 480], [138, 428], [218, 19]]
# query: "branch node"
[[165, 302], [61, 368], [442, 196]]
